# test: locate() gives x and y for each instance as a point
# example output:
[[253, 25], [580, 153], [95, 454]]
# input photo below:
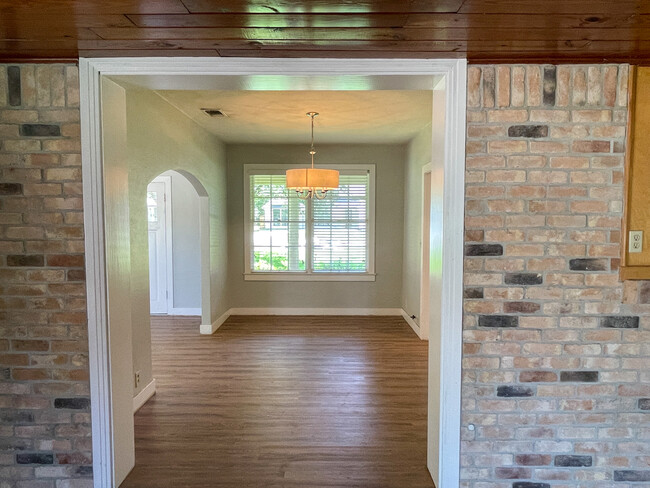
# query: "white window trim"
[[250, 275]]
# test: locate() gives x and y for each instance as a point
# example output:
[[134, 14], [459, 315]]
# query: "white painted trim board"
[[185, 311], [315, 311], [411, 322], [425, 311], [145, 394], [207, 329]]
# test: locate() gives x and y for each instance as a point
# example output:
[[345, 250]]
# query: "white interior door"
[[157, 196]]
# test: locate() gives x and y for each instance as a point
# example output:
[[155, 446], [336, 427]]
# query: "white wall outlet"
[[635, 241], [137, 379]]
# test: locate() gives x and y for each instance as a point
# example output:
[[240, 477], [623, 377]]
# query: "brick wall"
[[556, 349], [44, 404], [556, 378]]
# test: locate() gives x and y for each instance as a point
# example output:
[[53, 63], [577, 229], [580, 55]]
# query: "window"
[[292, 239]]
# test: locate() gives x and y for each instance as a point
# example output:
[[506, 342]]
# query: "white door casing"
[[447, 205], [159, 230], [425, 251]]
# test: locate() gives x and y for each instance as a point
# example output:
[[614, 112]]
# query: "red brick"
[[22, 374], [527, 191], [65, 260], [14, 359], [507, 146], [533, 459], [503, 86], [553, 116], [507, 116], [70, 374], [473, 87], [590, 146], [533, 85], [548, 147], [518, 86], [68, 318], [27, 345], [546, 206], [533, 161]]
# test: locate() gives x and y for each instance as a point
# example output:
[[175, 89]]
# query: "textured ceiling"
[[386, 116], [481, 30]]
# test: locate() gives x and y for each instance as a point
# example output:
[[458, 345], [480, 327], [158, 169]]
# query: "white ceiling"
[[346, 116]]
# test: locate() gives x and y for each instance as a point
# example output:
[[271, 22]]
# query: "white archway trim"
[[451, 252]]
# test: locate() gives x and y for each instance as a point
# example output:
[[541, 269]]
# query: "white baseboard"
[[315, 311], [185, 311], [142, 397], [412, 323], [209, 329]]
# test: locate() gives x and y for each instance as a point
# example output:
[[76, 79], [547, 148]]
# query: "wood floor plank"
[[285, 402]]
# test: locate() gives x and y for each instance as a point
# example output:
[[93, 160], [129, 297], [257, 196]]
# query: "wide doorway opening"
[[105, 159]]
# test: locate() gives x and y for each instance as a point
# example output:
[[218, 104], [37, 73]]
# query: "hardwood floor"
[[285, 402]]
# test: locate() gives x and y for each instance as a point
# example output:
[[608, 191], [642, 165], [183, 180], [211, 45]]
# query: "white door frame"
[[425, 237], [449, 232], [169, 251]]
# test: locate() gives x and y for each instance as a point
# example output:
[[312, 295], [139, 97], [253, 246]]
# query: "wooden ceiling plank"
[[580, 7], [322, 6], [35, 45], [512, 45], [425, 21], [91, 7], [46, 35], [270, 20], [335, 54], [352, 33], [34, 57], [557, 58], [548, 22], [271, 44], [40, 21], [110, 53]]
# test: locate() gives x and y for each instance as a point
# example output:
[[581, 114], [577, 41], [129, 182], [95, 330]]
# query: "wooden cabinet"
[[636, 266]]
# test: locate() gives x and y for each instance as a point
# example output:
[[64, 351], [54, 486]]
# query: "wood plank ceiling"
[[483, 30]]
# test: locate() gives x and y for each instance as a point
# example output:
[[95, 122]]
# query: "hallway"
[[279, 401]]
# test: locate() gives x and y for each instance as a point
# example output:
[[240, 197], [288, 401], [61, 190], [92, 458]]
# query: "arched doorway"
[[176, 227]]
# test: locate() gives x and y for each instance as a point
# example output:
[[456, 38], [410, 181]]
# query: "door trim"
[[424, 274], [166, 180], [451, 206]]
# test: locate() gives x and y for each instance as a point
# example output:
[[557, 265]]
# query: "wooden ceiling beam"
[[490, 30]]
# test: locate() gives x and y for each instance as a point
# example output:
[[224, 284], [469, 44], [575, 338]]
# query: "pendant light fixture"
[[312, 182]]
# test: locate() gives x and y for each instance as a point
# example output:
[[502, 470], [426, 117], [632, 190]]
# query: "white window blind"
[[286, 235], [340, 227]]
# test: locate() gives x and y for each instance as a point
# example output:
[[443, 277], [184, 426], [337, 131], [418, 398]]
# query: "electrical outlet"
[[137, 379], [635, 241]]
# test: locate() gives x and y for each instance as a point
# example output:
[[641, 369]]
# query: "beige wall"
[[385, 292], [160, 138], [418, 155], [426, 147]]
